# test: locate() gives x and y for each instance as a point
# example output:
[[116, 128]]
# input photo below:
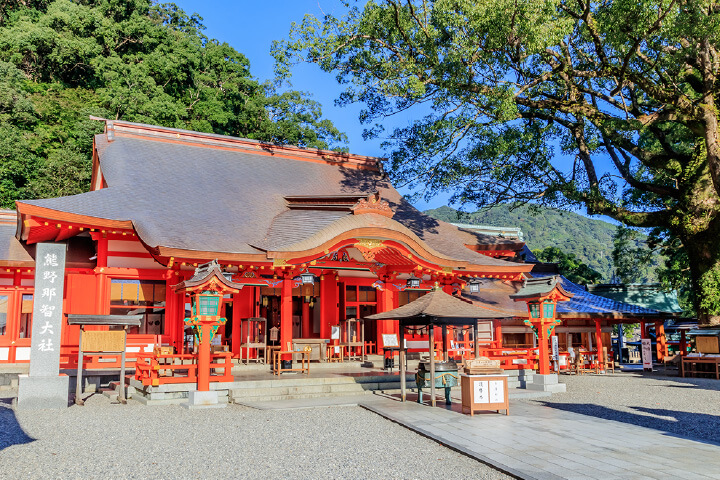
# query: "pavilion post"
[[446, 356], [431, 337], [683, 343], [476, 343], [599, 344], [402, 363], [661, 345], [286, 315]]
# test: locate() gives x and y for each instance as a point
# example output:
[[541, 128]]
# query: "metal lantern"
[[534, 309], [413, 281], [473, 286], [307, 277]]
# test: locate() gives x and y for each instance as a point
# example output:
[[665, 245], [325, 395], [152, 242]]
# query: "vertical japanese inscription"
[[47, 309]]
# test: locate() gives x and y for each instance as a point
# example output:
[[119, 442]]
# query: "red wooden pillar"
[[544, 351], [102, 254], [683, 343], [599, 345], [204, 359], [306, 320], [243, 307], [661, 344], [236, 339], [386, 302], [328, 304], [286, 314], [497, 335], [643, 330]]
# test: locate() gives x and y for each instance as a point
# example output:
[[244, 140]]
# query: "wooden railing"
[[511, 358], [152, 369]]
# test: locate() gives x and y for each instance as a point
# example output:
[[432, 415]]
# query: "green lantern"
[[549, 309], [208, 304], [534, 310]]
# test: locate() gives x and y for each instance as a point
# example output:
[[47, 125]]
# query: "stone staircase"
[[297, 388]]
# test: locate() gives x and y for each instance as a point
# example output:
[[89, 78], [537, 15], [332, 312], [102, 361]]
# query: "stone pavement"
[[537, 442]]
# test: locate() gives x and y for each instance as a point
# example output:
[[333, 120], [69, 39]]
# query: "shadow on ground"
[[674, 422], [11, 433]]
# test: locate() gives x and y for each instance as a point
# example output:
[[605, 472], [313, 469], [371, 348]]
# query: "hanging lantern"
[[413, 282], [307, 277], [473, 286], [264, 301]]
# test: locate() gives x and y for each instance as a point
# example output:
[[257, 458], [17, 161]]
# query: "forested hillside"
[[135, 60], [591, 241]]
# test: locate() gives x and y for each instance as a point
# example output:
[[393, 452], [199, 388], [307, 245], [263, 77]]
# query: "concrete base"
[[199, 400], [37, 392], [546, 383]]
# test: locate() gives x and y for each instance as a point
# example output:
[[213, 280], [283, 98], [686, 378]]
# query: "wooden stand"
[[484, 392]]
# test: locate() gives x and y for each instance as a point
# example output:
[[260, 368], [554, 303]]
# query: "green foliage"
[[588, 240], [500, 88], [710, 282], [569, 266], [633, 260], [62, 61]]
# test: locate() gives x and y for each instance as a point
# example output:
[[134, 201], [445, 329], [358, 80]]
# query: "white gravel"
[[685, 406], [106, 440]]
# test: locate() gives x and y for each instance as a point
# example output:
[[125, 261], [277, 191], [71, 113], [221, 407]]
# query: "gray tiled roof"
[[232, 201]]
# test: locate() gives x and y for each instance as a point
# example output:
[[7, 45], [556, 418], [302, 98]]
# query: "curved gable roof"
[[182, 194]]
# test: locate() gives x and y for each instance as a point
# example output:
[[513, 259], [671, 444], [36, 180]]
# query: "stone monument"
[[44, 387]]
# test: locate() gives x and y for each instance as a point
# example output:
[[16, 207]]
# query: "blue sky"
[[251, 26]]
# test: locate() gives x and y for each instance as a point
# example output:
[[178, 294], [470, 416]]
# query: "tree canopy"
[[606, 105], [62, 61], [568, 265]]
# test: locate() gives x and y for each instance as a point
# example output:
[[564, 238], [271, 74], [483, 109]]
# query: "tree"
[[569, 266], [625, 90], [62, 61], [633, 260]]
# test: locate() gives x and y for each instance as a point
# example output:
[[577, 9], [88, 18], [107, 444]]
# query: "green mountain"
[[591, 241]]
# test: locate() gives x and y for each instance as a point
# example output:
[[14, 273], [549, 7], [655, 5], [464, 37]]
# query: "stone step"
[[272, 398], [296, 390]]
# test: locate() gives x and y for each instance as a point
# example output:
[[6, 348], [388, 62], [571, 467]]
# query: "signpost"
[[44, 387], [555, 352], [646, 351]]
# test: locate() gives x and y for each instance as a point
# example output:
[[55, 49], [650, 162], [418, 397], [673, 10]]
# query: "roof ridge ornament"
[[373, 204]]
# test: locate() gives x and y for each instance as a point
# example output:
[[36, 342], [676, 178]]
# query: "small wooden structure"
[[433, 309], [99, 342], [352, 337], [254, 337]]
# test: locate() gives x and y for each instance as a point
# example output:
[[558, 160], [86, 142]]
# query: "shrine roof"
[[494, 295], [201, 193]]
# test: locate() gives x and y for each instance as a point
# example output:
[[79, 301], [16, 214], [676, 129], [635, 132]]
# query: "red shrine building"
[[164, 200]]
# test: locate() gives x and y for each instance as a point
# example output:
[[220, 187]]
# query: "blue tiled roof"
[[585, 302]]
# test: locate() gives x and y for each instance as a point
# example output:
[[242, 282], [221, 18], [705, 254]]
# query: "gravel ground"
[[686, 406], [106, 440]]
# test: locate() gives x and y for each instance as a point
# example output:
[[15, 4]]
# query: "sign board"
[[390, 340], [273, 334], [47, 309], [555, 351], [497, 391], [482, 394], [646, 352], [103, 341], [335, 332]]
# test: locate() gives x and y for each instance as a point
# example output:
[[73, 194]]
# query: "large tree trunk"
[[703, 250]]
